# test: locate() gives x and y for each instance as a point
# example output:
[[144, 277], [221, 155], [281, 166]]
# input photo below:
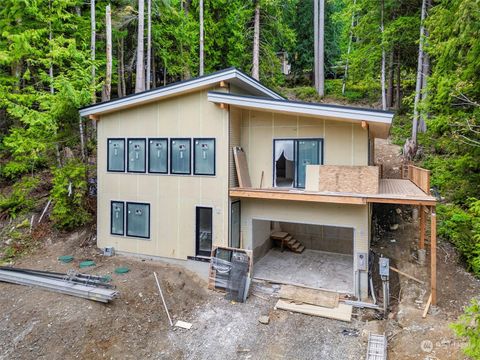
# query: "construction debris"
[[86, 286], [342, 312], [406, 275], [323, 298], [425, 311], [377, 347], [264, 319], [183, 324]]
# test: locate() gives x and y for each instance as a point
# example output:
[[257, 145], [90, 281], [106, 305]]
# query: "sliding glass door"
[[308, 153], [290, 160]]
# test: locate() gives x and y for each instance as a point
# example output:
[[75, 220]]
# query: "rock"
[[264, 319], [398, 211], [394, 227]]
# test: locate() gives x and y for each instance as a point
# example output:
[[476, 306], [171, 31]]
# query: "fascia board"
[[302, 108]]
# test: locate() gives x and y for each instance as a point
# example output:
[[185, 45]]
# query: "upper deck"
[[414, 190]]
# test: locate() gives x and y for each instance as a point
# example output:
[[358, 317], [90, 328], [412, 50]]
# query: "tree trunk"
[[82, 140], [390, 80], [201, 55], [256, 43], [119, 68], [92, 47], [107, 88], [321, 49], [384, 98], [418, 86], [154, 71], [149, 43], [349, 49], [140, 70], [398, 84]]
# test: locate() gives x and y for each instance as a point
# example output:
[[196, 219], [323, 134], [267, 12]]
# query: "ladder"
[[377, 347]]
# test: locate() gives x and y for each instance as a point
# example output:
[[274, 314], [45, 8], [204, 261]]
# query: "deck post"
[[433, 260], [421, 244]]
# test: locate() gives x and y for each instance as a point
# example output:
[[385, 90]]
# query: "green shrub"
[[468, 326], [462, 228], [20, 199], [306, 93], [69, 194]]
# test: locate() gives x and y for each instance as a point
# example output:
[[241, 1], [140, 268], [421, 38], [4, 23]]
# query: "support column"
[[433, 260], [421, 244]]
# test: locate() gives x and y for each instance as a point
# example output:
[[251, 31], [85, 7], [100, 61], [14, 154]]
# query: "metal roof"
[[232, 75]]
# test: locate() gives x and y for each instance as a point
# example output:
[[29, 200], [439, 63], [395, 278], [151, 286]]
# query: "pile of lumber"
[[80, 285], [313, 302], [287, 241]]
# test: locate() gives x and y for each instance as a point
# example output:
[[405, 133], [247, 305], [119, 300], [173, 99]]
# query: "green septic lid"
[[65, 258], [122, 270], [87, 263], [106, 278]]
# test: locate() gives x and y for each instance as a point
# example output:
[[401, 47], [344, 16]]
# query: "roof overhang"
[[378, 121], [232, 76]]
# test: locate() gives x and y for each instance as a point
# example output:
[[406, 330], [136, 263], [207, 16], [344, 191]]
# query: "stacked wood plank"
[[287, 241], [313, 302]]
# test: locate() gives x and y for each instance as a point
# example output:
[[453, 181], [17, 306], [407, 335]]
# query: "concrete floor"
[[311, 268]]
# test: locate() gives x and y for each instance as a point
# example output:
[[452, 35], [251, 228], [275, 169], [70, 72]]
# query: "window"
[[291, 157], [204, 156], [116, 155], [180, 156], [158, 156], [117, 218], [136, 155], [204, 231], [138, 220]]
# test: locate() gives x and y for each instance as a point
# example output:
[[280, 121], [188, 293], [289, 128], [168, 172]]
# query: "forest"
[[418, 58]]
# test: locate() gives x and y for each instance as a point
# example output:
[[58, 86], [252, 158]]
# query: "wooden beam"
[[421, 243], [433, 260], [364, 125], [388, 200], [223, 106], [93, 117], [223, 84], [406, 275], [425, 311], [309, 197]]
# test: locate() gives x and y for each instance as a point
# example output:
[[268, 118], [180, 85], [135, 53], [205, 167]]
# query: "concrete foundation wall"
[[261, 238], [340, 215], [324, 238]]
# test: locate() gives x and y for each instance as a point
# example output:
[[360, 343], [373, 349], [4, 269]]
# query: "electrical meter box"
[[204, 155], [116, 155], [138, 220], [362, 263], [158, 156], [384, 266], [136, 155], [118, 218]]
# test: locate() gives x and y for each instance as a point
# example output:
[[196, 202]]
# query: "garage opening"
[[316, 256]]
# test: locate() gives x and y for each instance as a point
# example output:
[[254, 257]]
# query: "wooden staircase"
[[287, 241]]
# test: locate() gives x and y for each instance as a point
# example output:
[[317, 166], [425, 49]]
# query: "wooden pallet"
[[287, 241]]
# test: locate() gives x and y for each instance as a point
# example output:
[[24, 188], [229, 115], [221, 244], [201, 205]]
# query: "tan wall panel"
[[344, 143], [172, 198]]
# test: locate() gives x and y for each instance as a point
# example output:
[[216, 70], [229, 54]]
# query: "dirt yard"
[[37, 324], [411, 336]]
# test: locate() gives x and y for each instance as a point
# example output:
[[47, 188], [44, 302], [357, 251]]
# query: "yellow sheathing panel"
[[172, 198], [344, 143]]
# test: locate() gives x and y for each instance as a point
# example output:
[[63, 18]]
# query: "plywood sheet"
[[346, 179], [343, 312], [241, 167], [323, 298]]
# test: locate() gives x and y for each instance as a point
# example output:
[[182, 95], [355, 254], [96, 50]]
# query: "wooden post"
[[421, 244], [433, 260]]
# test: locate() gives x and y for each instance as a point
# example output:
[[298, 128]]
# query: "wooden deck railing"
[[420, 177]]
